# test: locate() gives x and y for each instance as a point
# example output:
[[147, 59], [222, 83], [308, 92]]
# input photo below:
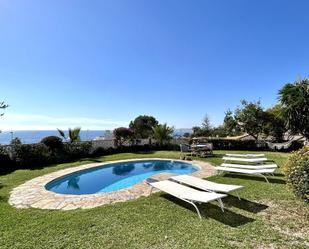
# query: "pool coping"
[[33, 194]]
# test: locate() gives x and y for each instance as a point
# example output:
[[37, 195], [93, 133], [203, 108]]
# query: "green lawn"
[[269, 216]]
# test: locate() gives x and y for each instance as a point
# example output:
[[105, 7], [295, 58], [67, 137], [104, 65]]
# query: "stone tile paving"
[[33, 194]]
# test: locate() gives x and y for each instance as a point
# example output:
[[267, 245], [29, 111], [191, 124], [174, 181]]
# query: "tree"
[[52, 142], [274, 124], [230, 124], [16, 141], [197, 131], [204, 130], [250, 118], [62, 134], [123, 134], [3, 106], [142, 126], [295, 101], [206, 126], [219, 131], [74, 134], [186, 135], [163, 133]]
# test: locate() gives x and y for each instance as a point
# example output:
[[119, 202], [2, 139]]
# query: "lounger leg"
[[197, 210], [264, 177], [221, 204], [151, 188], [237, 195]]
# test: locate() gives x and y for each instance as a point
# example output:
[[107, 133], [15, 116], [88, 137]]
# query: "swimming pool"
[[115, 176]]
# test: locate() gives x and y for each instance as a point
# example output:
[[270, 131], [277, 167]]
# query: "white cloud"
[[15, 121]]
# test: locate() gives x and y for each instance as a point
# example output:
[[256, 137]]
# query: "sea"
[[35, 136]]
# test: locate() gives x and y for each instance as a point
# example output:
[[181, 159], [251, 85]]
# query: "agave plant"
[[162, 133]]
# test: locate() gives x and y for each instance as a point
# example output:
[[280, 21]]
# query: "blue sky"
[[99, 64]]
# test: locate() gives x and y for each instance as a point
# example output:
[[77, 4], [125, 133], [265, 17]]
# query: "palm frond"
[[74, 134], [62, 134]]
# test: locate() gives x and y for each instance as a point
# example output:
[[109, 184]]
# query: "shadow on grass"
[[3, 199], [256, 178], [244, 204], [279, 174], [217, 155], [6, 171], [212, 211], [144, 152]]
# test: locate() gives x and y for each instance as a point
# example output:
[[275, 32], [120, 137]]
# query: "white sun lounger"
[[242, 166], [247, 160], [259, 172], [245, 155], [206, 185], [188, 194]]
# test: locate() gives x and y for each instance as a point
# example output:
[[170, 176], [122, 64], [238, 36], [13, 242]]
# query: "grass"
[[269, 216]]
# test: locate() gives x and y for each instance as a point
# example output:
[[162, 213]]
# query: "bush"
[[123, 134], [16, 140], [297, 173], [229, 144], [22, 156], [52, 142], [31, 155], [76, 150], [5, 160]]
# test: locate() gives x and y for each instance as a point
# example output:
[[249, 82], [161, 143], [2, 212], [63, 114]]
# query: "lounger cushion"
[[204, 184], [250, 160], [184, 192], [246, 171], [245, 155], [241, 166]]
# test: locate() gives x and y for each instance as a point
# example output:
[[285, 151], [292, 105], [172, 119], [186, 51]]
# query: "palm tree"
[[62, 134], [74, 134], [295, 101], [162, 133]]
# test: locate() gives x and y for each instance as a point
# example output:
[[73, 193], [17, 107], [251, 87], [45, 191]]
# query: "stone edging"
[[32, 194]]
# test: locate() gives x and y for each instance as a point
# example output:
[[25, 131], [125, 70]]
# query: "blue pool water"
[[112, 177]]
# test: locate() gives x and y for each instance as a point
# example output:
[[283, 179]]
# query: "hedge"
[[251, 145], [28, 156], [50, 151], [25, 156]]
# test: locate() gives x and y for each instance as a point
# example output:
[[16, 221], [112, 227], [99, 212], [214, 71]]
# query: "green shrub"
[[229, 144], [52, 142], [77, 150], [31, 155], [16, 140], [297, 173], [253, 145], [5, 160]]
